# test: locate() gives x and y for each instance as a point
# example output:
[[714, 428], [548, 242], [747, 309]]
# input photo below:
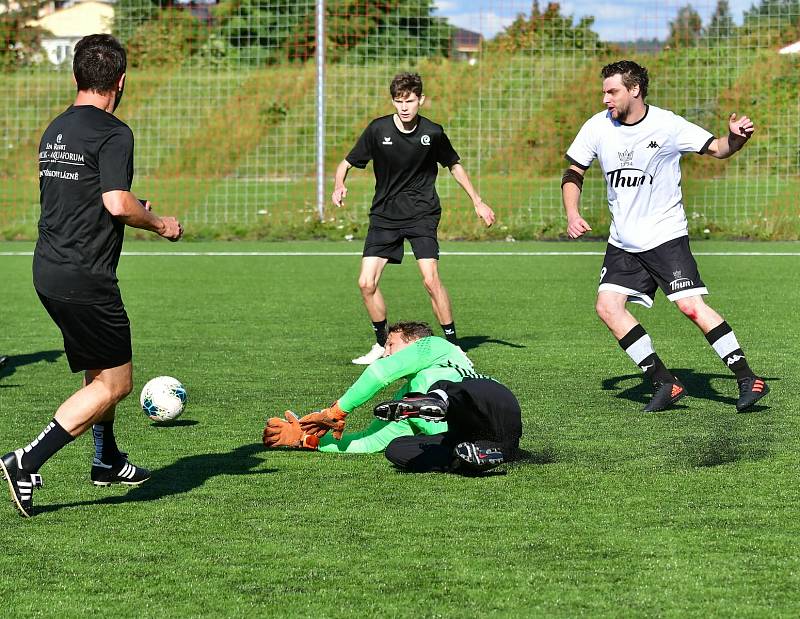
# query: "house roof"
[[80, 19], [794, 48], [467, 40]]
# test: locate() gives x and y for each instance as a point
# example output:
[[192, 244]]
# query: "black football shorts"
[[388, 242], [670, 266], [96, 337]]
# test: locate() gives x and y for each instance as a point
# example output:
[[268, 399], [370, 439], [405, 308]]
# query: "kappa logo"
[[626, 158], [679, 283], [653, 144], [644, 368], [426, 140], [734, 358], [387, 141]]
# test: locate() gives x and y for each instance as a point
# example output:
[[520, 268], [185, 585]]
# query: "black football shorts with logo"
[[388, 242], [670, 266]]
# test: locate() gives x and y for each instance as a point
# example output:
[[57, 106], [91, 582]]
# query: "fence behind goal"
[[225, 105]]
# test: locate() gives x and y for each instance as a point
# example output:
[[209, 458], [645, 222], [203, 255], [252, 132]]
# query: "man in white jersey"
[[639, 147]]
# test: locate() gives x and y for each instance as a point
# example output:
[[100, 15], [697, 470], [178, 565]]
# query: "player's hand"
[[576, 227], [338, 196], [172, 230], [318, 423], [485, 213], [287, 433], [742, 128]]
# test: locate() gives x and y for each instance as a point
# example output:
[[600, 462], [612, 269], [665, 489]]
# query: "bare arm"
[[339, 190], [125, 207], [739, 131], [462, 178], [571, 184]]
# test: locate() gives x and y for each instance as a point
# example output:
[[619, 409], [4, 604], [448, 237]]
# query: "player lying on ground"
[[405, 149], [412, 353], [484, 425], [639, 147]]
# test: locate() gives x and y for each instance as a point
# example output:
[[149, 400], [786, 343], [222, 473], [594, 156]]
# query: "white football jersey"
[[641, 165]]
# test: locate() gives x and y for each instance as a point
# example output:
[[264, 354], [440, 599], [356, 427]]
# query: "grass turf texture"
[[690, 512]]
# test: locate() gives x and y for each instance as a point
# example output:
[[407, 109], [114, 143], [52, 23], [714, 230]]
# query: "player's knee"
[[432, 283], [606, 311], [689, 308], [367, 285], [120, 389], [394, 454]]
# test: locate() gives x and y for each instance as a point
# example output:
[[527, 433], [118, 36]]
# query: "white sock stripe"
[[35, 442], [726, 345], [640, 349], [441, 394]]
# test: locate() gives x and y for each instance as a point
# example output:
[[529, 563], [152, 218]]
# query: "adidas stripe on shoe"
[[123, 472], [20, 483], [751, 390], [666, 394]]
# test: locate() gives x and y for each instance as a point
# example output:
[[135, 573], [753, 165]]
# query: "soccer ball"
[[163, 398]]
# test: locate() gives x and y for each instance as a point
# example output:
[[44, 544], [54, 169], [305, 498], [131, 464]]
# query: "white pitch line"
[[444, 253]]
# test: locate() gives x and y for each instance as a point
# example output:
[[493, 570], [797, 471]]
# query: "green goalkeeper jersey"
[[422, 363]]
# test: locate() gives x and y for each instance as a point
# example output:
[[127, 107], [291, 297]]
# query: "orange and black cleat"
[[666, 394], [751, 390]]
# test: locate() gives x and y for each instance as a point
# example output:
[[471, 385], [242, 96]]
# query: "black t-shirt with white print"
[[83, 153], [405, 166]]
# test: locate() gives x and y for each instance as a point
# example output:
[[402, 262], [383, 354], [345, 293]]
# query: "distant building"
[[794, 48], [466, 45], [66, 26]]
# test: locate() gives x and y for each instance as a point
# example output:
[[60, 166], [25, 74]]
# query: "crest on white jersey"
[[626, 158]]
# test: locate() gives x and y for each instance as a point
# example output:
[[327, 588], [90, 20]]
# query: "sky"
[[620, 20]]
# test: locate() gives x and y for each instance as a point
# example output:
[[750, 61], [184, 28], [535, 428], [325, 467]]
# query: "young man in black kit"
[[405, 149], [85, 176]]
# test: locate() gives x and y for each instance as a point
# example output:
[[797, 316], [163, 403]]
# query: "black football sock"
[[639, 347], [105, 445], [723, 340], [450, 333], [380, 329], [41, 449]]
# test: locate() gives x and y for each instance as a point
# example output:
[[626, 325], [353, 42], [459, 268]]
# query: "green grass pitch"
[[614, 513]]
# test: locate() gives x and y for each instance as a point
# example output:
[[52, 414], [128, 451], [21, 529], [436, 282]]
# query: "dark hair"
[[632, 74], [98, 63], [411, 331], [404, 83]]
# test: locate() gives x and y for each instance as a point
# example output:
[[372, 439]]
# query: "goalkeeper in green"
[[412, 353]]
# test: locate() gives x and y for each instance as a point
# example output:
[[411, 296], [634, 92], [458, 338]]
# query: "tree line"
[[263, 32]]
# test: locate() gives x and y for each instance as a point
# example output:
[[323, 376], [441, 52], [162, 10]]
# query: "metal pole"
[[321, 109]]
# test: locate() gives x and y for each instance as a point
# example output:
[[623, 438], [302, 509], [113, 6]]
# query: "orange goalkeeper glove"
[[287, 433], [319, 422]]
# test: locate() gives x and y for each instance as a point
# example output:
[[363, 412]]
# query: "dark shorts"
[[670, 266], [96, 337], [480, 410], [388, 242]]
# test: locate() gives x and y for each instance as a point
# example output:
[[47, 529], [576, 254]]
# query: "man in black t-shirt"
[[85, 175], [405, 149]]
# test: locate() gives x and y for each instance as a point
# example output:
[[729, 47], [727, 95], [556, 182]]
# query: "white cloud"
[[488, 24], [445, 6]]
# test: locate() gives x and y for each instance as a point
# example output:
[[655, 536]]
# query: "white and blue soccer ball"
[[163, 398]]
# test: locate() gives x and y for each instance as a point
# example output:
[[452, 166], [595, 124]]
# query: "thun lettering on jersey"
[[641, 167]]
